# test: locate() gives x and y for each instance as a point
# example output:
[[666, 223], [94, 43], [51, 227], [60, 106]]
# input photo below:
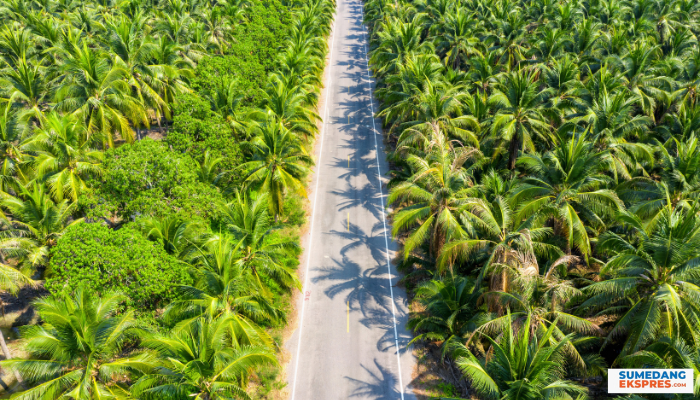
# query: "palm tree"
[[519, 365], [279, 164], [433, 197], [458, 38], [227, 100], [543, 299], [288, 104], [12, 129], [26, 83], [63, 155], [568, 185], [395, 42], [34, 224], [679, 185], [76, 351], [449, 315], [197, 362], [668, 353], [99, 95], [438, 109], [133, 49], [247, 219], [226, 288], [653, 283], [176, 234], [520, 117]]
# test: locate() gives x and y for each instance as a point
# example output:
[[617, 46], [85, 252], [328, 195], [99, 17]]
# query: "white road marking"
[[381, 198], [313, 212]]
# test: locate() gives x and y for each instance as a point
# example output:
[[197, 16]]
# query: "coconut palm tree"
[[652, 283], [63, 155], [288, 104], [226, 288], [13, 126], [32, 224], [679, 184], [668, 353], [521, 121], [432, 199], [198, 362], [99, 94], [459, 37], [521, 366], [279, 164], [568, 185], [176, 234], [449, 316], [261, 250], [76, 351]]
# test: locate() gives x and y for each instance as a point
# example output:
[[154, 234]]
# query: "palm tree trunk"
[[513, 150], [6, 353]]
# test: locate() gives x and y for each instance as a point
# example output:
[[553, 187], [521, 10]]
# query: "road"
[[351, 340]]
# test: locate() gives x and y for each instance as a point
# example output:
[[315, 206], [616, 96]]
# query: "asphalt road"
[[351, 342]]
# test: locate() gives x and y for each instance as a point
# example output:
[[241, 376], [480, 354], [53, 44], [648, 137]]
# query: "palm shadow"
[[357, 238], [366, 290], [379, 385], [366, 198], [383, 320]]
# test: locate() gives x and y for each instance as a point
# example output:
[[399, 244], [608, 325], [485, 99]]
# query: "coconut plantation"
[[154, 164], [545, 178]]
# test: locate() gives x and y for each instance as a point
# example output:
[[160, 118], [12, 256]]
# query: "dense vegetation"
[[168, 262], [546, 179]]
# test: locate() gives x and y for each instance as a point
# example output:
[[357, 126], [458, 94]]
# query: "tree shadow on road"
[[380, 384], [366, 290]]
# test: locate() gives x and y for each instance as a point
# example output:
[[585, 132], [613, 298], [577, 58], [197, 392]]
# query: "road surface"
[[351, 340]]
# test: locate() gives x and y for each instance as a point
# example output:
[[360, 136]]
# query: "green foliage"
[[77, 349], [523, 367], [196, 129], [146, 178], [251, 57], [548, 153], [100, 260], [198, 358], [80, 79]]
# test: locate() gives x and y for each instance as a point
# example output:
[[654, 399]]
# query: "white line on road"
[[381, 198], [313, 212]]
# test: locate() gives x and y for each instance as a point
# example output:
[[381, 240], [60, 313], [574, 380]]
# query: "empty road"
[[351, 339]]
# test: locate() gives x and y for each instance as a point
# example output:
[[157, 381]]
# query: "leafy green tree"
[[100, 260], [146, 178], [197, 130]]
